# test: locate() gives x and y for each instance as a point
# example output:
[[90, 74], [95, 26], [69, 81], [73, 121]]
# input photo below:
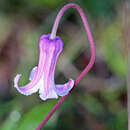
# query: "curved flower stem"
[[87, 68]]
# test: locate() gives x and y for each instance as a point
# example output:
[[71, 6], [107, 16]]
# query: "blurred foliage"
[[33, 118], [114, 53], [106, 8], [100, 101]]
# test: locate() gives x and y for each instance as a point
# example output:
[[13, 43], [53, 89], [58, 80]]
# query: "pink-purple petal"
[[63, 89], [25, 90], [33, 72]]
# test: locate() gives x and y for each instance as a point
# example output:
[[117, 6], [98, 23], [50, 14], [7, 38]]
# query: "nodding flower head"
[[42, 76], [50, 47]]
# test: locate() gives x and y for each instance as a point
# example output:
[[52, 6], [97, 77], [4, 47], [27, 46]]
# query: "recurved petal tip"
[[16, 79], [25, 90], [64, 89]]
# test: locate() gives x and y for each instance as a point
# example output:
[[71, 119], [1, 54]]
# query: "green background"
[[99, 102]]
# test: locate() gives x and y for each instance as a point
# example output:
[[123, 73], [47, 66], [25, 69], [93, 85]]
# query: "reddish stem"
[[87, 68]]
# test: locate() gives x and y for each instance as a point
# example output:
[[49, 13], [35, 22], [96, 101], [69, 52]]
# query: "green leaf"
[[32, 119]]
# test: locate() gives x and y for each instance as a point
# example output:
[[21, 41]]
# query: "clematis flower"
[[42, 76]]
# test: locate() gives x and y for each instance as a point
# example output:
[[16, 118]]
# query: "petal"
[[51, 94], [42, 93], [24, 90], [63, 90], [35, 77], [33, 72], [52, 49]]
